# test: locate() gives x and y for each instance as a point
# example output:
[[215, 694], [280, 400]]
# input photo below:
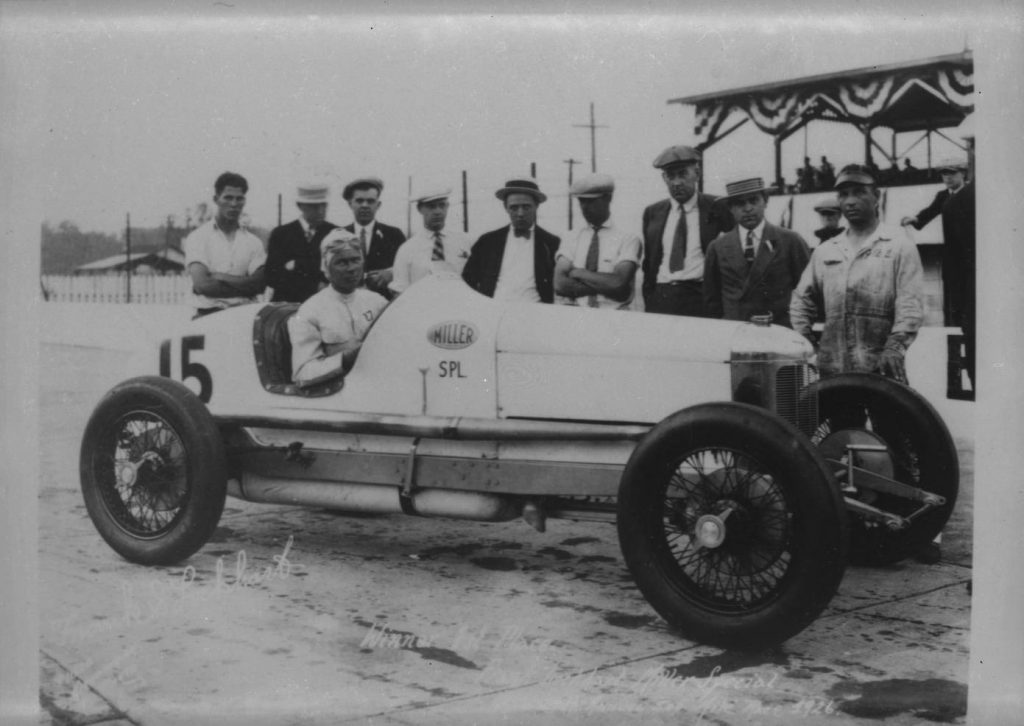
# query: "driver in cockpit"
[[328, 329]]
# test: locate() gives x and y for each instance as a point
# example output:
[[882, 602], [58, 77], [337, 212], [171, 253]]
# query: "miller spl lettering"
[[452, 334]]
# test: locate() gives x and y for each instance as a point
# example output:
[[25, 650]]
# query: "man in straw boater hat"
[[867, 282], [380, 242], [752, 269], [328, 329], [956, 205], [830, 216], [676, 233], [293, 250], [434, 248], [516, 262]]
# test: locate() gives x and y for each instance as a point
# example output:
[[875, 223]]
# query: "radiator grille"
[[791, 403]]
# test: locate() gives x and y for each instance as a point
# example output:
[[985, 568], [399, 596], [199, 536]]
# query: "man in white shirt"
[[596, 266], [434, 249], [328, 329], [516, 262], [225, 260]]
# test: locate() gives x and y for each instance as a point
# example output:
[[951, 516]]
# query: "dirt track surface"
[[296, 616]]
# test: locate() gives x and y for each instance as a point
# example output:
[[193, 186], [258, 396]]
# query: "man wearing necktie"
[[752, 269], [433, 250], [380, 242], [516, 262], [677, 232], [293, 250], [596, 266]]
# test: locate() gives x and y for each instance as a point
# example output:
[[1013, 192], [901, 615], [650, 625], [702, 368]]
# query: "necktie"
[[362, 241], [438, 253], [593, 254], [524, 233], [678, 254], [748, 249]]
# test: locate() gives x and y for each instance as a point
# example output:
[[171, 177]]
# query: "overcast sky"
[[139, 112]]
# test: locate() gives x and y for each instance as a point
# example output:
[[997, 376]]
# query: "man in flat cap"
[[597, 266], [956, 205], [328, 329], [516, 262], [829, 214], [677, 231], [752, 269], [380, 241], [867, 282], [224, 259], [293, 250], [434, 249]]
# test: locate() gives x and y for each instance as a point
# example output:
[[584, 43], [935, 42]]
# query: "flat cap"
[[590, 187], [854, 174], [363, 181], [432, 193], [676, 155], [827, 205], [743, 187]]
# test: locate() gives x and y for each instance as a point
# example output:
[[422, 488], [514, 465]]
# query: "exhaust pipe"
[[379, 499]]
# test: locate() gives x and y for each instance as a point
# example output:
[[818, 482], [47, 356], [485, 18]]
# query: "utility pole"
[[465, 203], [533, 169], [593, 137], [571, 162], [408, 212], [128, 257]]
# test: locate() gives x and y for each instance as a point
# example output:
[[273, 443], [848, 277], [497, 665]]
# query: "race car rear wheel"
[[732, 526], [920, 453], [153, 471]]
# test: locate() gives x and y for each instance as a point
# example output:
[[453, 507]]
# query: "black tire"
[[921, 453], [784, 549], [153, 471]]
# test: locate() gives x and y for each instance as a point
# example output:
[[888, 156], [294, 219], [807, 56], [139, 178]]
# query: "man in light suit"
[[293, 251], [677, 232], [380, 241], [752, 269], [516, 262]]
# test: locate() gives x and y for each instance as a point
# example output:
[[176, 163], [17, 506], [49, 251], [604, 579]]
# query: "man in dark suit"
[[380, 241], [752, 269], [956, 205], [293, 251], [677, 232], [516, 262]]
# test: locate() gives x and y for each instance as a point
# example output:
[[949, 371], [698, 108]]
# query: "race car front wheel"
[[732, 526], [153, 471]]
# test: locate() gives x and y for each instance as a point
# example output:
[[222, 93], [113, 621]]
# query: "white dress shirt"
[[516, 280], [693, 264], [614, 246], [414, 259]]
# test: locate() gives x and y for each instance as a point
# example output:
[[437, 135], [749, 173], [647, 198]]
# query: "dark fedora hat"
[[521, 186]]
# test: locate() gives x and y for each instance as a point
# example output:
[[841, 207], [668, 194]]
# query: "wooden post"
[[128, 256], [465, 204], [570, 161]]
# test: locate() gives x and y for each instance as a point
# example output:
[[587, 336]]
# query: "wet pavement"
[[299, 616]]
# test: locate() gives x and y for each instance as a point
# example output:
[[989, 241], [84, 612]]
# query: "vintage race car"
[[739, 482]]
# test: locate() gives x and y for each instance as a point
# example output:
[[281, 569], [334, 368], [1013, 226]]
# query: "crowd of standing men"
[[696, 255]]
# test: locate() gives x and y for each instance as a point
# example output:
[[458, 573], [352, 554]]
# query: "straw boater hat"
[[675, 155], [743, 187], [952, 165], [363, 181], [593, 186], [311, 193], [432, 193], [521, 186]]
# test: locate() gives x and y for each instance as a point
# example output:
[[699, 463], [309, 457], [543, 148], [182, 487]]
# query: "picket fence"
[[156, 289]]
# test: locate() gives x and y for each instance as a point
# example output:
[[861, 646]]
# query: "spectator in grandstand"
[[223, 258], [684, 225], [956, 205], [868, 283], [328, 330], [435, 248], [380, 241], [828, 212], [826, 174], [597, 266], [516, 262], [752, 269], [293, 250]]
